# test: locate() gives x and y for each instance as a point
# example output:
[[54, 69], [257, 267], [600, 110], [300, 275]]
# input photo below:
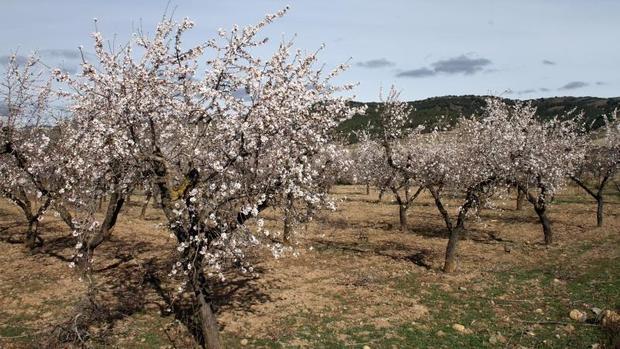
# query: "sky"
[[426, 48]]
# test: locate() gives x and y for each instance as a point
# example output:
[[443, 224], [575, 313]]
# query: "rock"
[[577, 315], [569, 328], [445, 287], [440, 333], [539, 311], [244, 342], [507, 249], [497, 338], [611, 321], [462, 288], [597, 311], [557, 281], [366, 347], [458, 328]]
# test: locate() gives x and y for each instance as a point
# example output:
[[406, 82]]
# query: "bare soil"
[[356, 281]]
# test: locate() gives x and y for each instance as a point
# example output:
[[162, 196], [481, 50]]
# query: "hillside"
[[429, 111]]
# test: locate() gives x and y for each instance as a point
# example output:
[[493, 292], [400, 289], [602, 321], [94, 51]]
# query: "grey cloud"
[[375, 63], [524, 92], [548, 62], [574, 85], [61, 53], [4, 60], [457, 65], [543, 89], [416, 73], [461, 64], [601, 83]]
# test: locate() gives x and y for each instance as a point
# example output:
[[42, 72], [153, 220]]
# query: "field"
[[356, 281]]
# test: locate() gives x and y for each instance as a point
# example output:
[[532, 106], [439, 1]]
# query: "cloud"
[[61, 53], [461, 65], [574, 85], [4, 60], [601, 83], [548, 62], [525, 92], [456, 65], [416, 73], [543, 89], [375, 63]]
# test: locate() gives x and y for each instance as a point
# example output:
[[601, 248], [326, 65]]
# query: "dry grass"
[[357, 281]]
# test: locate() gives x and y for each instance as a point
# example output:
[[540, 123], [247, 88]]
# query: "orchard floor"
[[357, 281]]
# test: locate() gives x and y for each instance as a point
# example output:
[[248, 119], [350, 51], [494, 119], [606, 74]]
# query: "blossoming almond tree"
[[397, 153], [600, 163], [449, 162], [536, 156], [28, 143], [175, 116]]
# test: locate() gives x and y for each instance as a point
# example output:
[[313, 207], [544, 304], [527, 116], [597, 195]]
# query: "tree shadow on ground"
[[389, 249], [8, 235], [123, 288], [238, 291]]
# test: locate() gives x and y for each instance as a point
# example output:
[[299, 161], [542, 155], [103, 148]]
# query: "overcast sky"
[[518, 49]]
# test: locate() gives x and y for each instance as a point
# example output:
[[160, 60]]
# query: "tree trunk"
[[544, 220], [451, 261], [402, 213], [65, 215], [599, 211], [367, 188], [288, 223], [598, 195], [208, 321], [402, 210], [156, 199], [115, 204], [32, 233], [520, 199], [287, 227], [145, 204]]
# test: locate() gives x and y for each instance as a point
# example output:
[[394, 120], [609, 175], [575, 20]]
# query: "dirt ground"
[[357, 281]]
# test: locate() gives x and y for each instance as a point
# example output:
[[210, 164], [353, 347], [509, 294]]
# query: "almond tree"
[[450, 162], [329, 164], [536, 156], [600, 163], [28, 144], [174, 115], [368, 159], [397, 153]]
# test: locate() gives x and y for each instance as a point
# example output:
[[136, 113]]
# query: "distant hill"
[[430, 111]]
